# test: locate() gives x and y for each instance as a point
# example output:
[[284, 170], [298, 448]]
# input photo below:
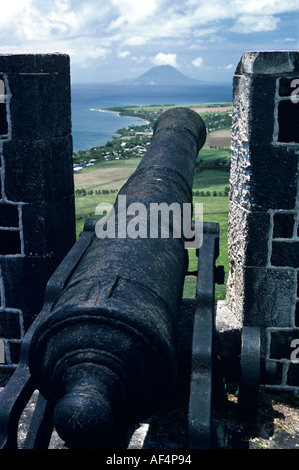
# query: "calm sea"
[[93, 128]]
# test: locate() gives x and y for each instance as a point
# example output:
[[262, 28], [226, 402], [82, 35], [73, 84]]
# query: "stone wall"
[[37, 221], [262, 288]]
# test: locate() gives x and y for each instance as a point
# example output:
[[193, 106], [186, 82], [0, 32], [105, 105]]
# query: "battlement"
[[37, 225]]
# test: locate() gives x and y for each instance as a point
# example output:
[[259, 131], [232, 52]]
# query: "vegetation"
[[105, 169], [133, 141]]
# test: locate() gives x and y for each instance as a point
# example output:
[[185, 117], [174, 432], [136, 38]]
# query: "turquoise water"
[[92, 128]]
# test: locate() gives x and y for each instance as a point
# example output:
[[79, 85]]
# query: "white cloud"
[[139, 60], [130, 12], [264, 7], [253, 24], [197, 62], [123, 54], [165, 59], [89, 30], [135, 41]]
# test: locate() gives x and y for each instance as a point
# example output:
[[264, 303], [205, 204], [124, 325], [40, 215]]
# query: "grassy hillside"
[[113, 175]]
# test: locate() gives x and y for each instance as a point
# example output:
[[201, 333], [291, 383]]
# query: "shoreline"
[[221, 107], [100, 110]]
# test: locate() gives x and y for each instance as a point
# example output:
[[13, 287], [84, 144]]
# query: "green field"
[[102, 181], [114, 173]]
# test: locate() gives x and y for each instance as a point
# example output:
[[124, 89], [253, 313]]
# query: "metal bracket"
[[250, 370], [200, 402], [16, 394]]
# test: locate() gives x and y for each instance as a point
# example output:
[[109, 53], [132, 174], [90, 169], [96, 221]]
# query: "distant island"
[[161, 75]]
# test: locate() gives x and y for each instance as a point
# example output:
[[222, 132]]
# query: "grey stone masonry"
[[263, 239], [37, 218]]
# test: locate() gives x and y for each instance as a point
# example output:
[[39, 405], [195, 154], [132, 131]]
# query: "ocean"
[[93, 128]]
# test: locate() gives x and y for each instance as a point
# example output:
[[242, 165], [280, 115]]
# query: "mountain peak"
[[162, 75]]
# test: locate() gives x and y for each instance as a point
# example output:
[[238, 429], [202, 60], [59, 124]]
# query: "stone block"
[[40, 106], [280, 344], [10, 326], [285, 87], [235, 290], [268, 297], [283, 225], [9, 215], [3, 120], [37, 171], [24, 282], [288, 117], [248, 236], [293, 375], [34, 63], [262, 296], [10, 242], [273, 179], [49, 228], [285, 254], [273, 63], [14, 349], [261, 109]]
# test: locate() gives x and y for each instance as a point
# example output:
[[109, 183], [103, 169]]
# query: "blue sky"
[[117, 39]]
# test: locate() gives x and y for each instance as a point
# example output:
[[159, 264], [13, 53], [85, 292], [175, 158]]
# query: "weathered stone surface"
[[288, 117], [293, 375], [281, 341], [269, 297], [275, 63], [24, 282], [9, 215], [285, 253], [46, 228], [249, 234], [10, 324], [262, 235], [43, 111], [3, 119], [283, 225], [37, 217], [34, 63], [227, 333], [38, 170], [10, 242], [262, 296]]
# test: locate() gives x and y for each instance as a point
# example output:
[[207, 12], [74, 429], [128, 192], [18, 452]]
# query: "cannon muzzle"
[[105, 356]]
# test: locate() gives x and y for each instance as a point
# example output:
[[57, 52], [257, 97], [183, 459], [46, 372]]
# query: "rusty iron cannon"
[[106, 355], [105, 350]]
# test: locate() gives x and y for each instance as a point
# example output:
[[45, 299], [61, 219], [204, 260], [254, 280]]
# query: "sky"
[[111, 40]]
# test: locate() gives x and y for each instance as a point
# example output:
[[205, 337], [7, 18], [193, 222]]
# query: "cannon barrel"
[[106, 354]]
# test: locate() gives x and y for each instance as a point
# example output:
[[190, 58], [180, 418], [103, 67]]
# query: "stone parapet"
[[37, 217], [263, 238]]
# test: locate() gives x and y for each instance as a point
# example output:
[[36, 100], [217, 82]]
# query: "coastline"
[[129, 138], [100, 110]]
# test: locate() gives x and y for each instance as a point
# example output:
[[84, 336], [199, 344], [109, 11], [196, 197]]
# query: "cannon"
[[103, 352], [106, 354]]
